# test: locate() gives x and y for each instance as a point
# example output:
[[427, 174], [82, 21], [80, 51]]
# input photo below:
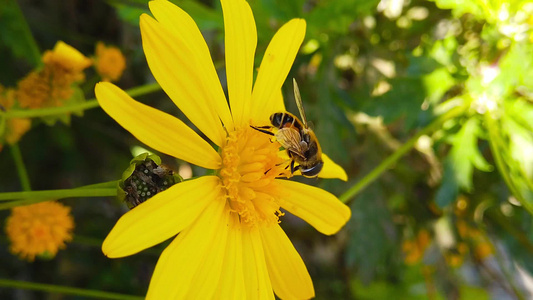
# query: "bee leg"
[[263, 129], [293, 168]]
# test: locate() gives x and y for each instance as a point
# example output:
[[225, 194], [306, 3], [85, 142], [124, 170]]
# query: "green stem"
[[389, 161], [94, 190], [108, 184], [495, 141], [16, 284], [92, 103], [59, 194], [144, 89], [21, 168], [51, 111]]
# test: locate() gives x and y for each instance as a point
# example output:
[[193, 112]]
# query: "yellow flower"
[[39, 229], [230, 244], [109, 62], [14, 128], [66, 57], [414, 249], [52, 85]]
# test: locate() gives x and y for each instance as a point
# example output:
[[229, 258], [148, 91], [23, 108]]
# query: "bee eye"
[[275, 119], [287, 119]]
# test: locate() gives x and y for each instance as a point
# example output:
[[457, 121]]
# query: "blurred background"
[[450, 219]]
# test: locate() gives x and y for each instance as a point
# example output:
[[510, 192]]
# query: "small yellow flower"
[[230, 244], [52, 85], [14, 128], [39, 229], [456, 256], [7, 98], [109, 62], [414, 249], [66, 57]]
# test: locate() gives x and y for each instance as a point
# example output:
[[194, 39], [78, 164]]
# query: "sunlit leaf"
[[511, 170], [461, 7], [465, 154], [437, 83], [520, 145]]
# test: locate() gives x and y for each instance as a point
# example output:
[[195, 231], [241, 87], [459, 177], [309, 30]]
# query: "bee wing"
[[290, 139], [299, 103]]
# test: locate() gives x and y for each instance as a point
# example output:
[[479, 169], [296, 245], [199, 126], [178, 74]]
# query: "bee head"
[[276, 119]]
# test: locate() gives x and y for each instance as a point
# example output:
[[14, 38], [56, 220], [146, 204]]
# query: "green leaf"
[[521, 111], [205, 17], [511, 170], [403, 101], [335, 17], [130, 13], [520, 146], [516, 68], [444, 51], [372, 245], [461, 7], [465, 154], [449, 188], [16, 34], [437, 83]]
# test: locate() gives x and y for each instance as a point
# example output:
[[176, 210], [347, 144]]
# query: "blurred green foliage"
[[372, 74]]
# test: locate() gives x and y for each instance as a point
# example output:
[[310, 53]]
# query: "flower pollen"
[[251, 162], [39, 229], [109, 62], [51, 85]]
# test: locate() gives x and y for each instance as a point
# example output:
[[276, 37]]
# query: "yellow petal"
[[183, 27], [278, 105], [286, 268], [274, 68], [317, 207], [191, 266], [181, 73], [256, 277], [161, 217], [331, 169], [240, 43], [231, 284], [155, 128]]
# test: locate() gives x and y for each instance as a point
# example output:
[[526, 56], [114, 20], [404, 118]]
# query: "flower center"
[[251, 162]]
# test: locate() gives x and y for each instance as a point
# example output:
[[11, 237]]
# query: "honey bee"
[[297, 138]]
